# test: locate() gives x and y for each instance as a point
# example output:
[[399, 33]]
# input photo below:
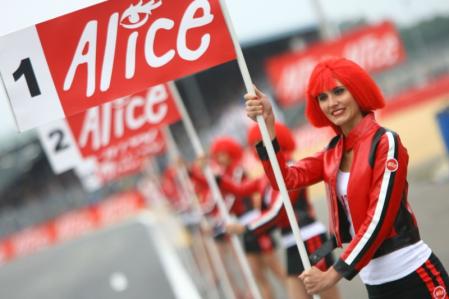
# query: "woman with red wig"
[[273, 215], [364, 168]]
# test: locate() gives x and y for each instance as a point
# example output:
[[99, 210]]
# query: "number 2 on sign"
[[26, 69], [60, 145]]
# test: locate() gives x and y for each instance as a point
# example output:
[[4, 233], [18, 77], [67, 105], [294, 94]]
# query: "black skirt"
[[430, 281]]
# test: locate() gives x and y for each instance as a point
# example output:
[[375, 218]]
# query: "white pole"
[[195, 267], [269, 146], [154, 171], [216, 194], [219, 266], [187, 186], [210, 244]]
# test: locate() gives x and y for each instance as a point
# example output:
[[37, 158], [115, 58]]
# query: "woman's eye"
[[322, 97], [339, 90]]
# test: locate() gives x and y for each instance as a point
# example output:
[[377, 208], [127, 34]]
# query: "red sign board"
[[107, 51], [116, 161], [124, 124], [122, 132], [147, 144], [374, 47]]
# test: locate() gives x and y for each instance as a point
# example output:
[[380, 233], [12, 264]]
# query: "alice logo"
[[137, 15], [103, 49]]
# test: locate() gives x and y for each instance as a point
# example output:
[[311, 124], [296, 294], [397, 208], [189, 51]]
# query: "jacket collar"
[[364, 127]]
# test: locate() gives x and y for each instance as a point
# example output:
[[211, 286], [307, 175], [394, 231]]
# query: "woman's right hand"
[[259, 104], [201, 161], [234, 228]]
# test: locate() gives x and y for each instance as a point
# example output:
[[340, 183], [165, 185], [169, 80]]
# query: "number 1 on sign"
[[26, 69]]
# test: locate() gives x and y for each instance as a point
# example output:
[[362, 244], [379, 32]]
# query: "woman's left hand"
[[316, 281]]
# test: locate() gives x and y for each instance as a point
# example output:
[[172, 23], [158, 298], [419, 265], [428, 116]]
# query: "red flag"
[[116, 162], [127, 122], [110, 50], [127, 127]]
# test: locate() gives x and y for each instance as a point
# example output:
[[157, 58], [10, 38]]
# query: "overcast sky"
[[253, 19]]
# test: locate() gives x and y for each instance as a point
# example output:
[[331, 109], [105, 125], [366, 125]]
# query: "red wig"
[[283, 135], [358, 82], [229, 146], [170, 173]]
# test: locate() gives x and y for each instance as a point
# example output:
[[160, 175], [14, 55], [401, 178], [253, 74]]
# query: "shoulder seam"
[[375, 142]]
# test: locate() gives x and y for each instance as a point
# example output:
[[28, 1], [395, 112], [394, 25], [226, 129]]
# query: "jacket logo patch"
[[439, 292], [392, 165]]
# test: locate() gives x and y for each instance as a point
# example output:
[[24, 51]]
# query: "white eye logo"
[[439, 292], [392, 164], [137, 15]]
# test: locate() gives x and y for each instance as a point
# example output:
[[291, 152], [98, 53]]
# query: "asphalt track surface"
[[120, 262]]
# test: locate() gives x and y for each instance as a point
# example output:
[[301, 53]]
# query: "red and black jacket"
[[273, 213], [377, 192], [234, 202]]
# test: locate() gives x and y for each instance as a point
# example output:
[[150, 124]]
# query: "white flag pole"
[[216, 194], [268, 145], [187, 186], [156, 173]]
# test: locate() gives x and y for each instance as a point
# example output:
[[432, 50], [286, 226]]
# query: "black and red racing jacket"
[[272, 211], [377, 192], [235, 204]]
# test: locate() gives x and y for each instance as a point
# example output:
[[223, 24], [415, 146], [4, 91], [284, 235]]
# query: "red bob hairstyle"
[[356, 80], [283, 135], [227, 145]]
